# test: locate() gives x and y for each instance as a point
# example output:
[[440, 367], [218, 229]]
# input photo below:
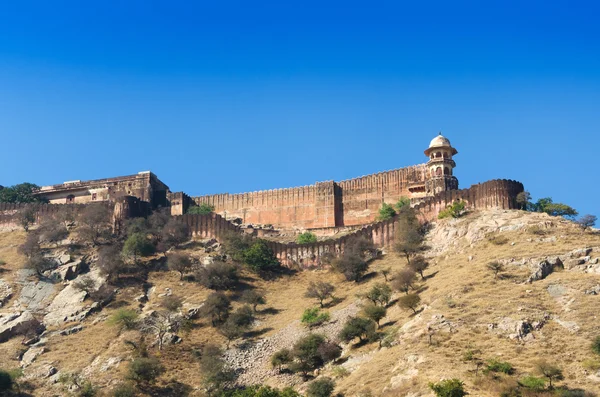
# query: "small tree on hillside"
[[386, 273], [218, 276], [354, 262], [374, 312], [260, 257], [449, 388], [281, 358], [320, 291], [410, 301], [379, 294], [137, 245], [179, 263], [587, 221], [495, 267], [27, 216], [408, 239], [217, 306], [215, 373], [95, 222], [174, 233], [110, 262], [254, 298], [419, 264], [357, 327], [52, 231], [145, 370], [404, 280], [550, 371], [524, 200], [235, 245]]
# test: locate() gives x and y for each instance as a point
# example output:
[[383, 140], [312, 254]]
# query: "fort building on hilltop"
[[321, 205]]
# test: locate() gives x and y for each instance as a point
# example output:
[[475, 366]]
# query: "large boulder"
[[18, 324], [543, 270]]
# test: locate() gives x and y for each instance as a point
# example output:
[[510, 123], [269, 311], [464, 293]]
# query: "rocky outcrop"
[[544, 269], [5, 292], [17, 324]]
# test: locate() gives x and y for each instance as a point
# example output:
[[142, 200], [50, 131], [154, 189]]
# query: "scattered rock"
[[593, 291], [71, 330], [5, 292], [571, 263], [30, 355], [571, 326], [18, 325], [556, 290], [544, 268], [581, 252]]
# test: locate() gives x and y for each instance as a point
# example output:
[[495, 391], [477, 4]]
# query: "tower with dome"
[[440, 167]]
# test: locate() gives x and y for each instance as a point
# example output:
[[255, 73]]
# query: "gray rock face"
[[67, 271], [581, 252], [17, 324], [35, 295], [5, 292], [544, 268], [30, 356]]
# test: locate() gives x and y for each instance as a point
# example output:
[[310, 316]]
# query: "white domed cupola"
[[440, 167]]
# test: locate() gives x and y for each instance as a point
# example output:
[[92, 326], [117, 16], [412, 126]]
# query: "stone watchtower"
[[440, 166]]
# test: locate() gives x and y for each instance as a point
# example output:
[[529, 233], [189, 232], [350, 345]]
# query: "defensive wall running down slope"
[[499, 193]]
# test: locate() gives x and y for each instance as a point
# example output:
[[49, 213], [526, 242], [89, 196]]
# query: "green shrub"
[[386, 212], [137, 245], [596, 345], [404, 202], [144, 370], [6, 381], [448, 388], [312, 317], [259, 257], [504, 367], [87, 390], [306, 238], [497, 239], [202, 209], [322, 387], [339, 372], [374, 312], [533, 383], [358, 327], [380, 293], [124, 390], [281, 358], [454, 210], [126, 318]]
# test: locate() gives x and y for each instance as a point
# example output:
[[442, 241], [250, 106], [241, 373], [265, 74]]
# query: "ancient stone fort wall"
[[322, 205], [492, 194]]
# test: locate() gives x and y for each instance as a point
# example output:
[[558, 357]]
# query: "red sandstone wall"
[[362, 197], [493, 194], [324, 204]]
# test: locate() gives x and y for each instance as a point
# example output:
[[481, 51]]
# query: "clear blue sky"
[[233, 96]]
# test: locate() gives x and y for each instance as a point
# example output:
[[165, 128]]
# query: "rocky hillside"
[[542, 304]]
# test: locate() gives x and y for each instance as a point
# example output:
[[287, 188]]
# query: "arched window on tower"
[[438, 155], [446, 171], [438, 171], [445, 155]]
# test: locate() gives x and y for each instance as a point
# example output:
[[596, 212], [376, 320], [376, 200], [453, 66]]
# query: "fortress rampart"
[[322, 205], [499, 193]]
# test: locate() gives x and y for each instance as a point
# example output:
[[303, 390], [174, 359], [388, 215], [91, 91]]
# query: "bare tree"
[[419, 264], [160, 323], [319, 290], [95, 222], [495, 267], [110, 262], [409, 239], [174, 233], [587, 221], [403, 280], [180, 263]]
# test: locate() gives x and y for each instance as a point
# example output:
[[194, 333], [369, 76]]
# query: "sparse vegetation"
[[214, 370], [201, 209], [419, 264], [533, 383], [495, 267], [409, 238], [354, 262], [448, 388], [596, 345], [587, 221], [254, 298], [95, 222], [549, 371], [125, 318], [144, 370], [504, 367], [313, 317], [322, 387], [137, 245], [306, 238], [454, 210], [403, 203], [497, 239]]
